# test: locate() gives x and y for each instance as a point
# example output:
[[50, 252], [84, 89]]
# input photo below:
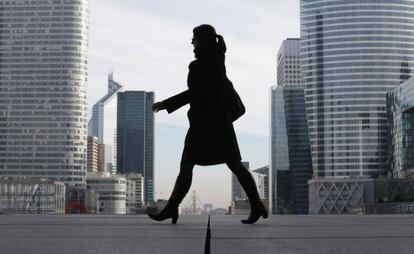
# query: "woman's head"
[[205, 36]]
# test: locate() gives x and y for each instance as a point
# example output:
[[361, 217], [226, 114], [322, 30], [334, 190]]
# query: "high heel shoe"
[[166, 213], [255, 215]]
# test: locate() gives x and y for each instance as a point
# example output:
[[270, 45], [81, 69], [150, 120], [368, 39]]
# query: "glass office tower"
[[43, 75], [135, 137], [400, 109], [352, 54], [290, 151], [103, 124], [288, 63]]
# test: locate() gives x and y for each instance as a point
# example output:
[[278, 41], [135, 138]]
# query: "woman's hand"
[[158, 106]]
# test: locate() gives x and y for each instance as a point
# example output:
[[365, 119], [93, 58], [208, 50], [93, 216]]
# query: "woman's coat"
[[210, 139]]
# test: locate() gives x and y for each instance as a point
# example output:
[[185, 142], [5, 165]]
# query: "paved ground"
[[33, 234], [315, 234], [85, 234]]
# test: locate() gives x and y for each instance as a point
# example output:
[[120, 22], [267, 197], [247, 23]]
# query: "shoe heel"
[[265, 214], [174, 219]]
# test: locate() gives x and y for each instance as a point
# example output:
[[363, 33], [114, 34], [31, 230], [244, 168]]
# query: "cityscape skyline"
[[345, 90], [326, 142], [162, 38]]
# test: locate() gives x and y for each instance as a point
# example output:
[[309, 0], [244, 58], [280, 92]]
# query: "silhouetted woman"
[[210, 139]]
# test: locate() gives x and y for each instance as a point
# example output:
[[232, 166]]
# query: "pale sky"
[[147, 44]]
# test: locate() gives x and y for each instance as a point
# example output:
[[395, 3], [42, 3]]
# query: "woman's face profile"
[[195, 42]]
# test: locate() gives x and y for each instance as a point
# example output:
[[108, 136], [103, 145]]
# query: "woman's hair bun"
[[221, 45]]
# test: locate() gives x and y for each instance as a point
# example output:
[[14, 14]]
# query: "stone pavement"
[[48, 234], [355, 234], [85, 234]]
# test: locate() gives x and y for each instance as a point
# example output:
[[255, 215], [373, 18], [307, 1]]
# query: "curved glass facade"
[[352, 53], [43, 75]]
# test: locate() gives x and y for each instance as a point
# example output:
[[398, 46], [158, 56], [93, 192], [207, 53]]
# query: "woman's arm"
[[177, 101]]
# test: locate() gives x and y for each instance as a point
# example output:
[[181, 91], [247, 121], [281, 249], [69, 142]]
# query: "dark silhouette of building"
[[135, 137]]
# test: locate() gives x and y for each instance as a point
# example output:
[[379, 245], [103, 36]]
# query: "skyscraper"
[[288, 63], [102, 166], [43, 75], [400, 109], [135, 135], [290, 157], [92, 154], [352, 54], [103, 124]]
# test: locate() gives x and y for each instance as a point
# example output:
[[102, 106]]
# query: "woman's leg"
[[247, 182], [182, 186], [183, 182]]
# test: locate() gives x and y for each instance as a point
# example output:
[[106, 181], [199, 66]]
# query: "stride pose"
[[210, 139]]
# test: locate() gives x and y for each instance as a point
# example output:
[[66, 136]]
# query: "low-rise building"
[[352, 195], [240, 207], [138, 195], [75, 200], [92, 202], [80, 201], [131, 205], [31, 196], [112, 192]]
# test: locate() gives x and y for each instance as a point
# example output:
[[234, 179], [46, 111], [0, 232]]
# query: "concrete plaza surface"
[[137, 234]]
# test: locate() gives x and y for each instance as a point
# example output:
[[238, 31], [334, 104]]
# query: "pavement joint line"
[[207, 243], [181, 227], [94, 237], [132, 229], [322, 226], [312, 238]]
